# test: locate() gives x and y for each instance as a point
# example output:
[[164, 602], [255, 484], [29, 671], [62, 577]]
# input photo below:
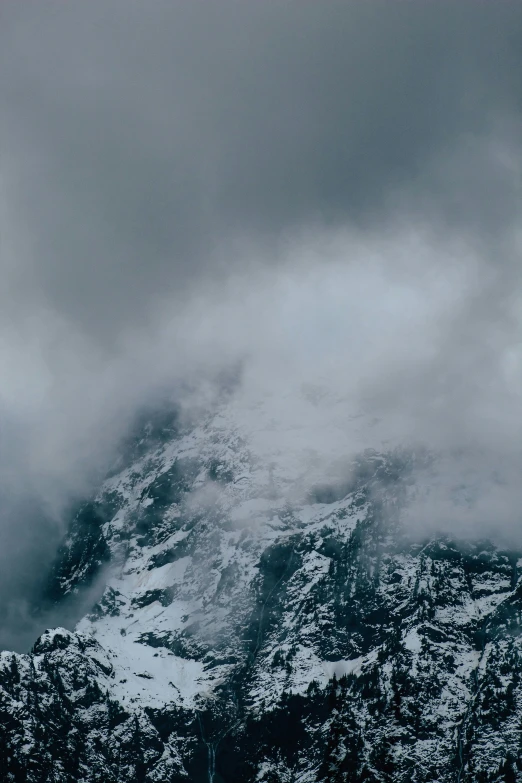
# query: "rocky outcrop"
[[245, 634]]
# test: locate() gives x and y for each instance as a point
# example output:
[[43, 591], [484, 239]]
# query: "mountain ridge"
[[266, 616]]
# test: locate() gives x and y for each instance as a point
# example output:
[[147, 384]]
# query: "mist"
[[328, 197]]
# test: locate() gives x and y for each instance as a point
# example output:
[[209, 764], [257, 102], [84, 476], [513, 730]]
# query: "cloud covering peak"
[[318, 193]]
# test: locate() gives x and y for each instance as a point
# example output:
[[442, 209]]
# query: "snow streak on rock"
[[267, 618]]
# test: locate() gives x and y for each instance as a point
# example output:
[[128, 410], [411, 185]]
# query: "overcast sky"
[[162, 164]]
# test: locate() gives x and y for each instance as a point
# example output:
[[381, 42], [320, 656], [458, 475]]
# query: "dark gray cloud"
[[330, 189], [136, 138]]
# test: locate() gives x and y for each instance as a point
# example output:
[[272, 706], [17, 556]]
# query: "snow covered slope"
[[267, 617]]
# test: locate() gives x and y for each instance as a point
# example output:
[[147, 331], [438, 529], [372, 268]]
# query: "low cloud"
[[327, 200]]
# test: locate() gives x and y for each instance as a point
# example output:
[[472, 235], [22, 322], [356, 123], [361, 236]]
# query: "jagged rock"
[[248, 633]]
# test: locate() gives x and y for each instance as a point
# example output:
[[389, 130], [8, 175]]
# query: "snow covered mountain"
[[266, 616]]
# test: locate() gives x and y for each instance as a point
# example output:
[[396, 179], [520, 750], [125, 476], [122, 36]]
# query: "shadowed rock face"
[[246, 636]]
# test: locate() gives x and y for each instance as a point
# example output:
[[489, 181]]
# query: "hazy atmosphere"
[[327, 194]]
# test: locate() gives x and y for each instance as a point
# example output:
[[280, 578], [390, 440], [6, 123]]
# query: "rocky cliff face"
[[261, 623]]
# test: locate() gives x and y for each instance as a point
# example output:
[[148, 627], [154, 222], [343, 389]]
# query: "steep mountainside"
[[265, 618]]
